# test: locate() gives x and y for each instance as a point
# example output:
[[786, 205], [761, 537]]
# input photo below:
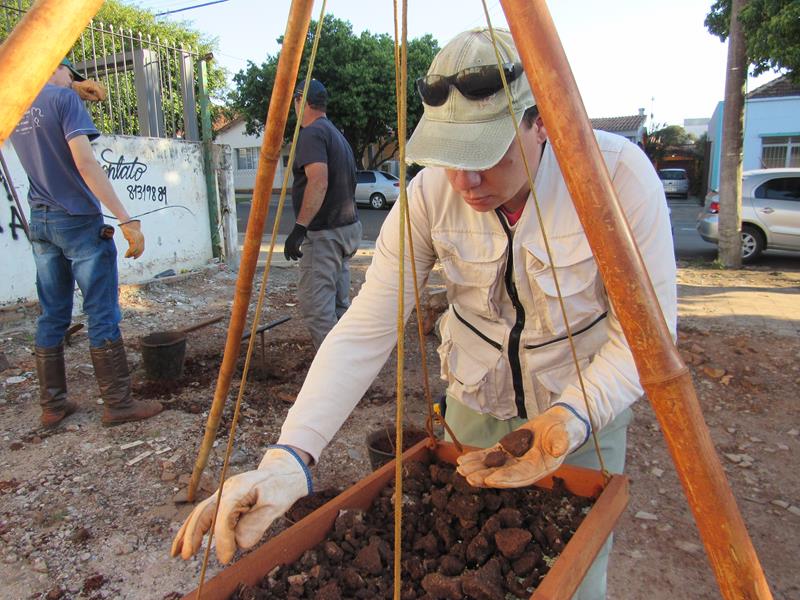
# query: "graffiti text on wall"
[[119, 169], [147, 192], [15, 222]]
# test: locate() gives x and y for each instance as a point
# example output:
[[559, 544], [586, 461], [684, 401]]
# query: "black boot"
[[114, 380], [53, 385]]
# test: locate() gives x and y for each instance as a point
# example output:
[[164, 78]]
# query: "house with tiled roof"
[[630, 127], [771, 129]]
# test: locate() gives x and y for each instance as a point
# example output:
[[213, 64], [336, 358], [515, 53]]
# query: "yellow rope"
[[509, 100], [401, 56], [259, 304]]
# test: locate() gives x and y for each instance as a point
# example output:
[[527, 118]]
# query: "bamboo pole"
[[30, 55], [282, 92], [663, 375]]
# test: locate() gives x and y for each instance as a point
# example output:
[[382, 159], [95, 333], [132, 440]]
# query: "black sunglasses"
[[474, 83]]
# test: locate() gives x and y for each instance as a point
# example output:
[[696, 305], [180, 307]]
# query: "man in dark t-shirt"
[[72, 244], [327, 224]]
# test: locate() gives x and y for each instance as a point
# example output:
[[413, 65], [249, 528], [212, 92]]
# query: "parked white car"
[[675, 182], [770, 212], [377, 189]]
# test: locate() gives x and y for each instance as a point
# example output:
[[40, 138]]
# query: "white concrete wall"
[[147, 174], [235, 137]]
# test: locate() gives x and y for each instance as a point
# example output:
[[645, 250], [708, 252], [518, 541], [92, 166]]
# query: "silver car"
[[675, 182], [377, 189], [770, 212]]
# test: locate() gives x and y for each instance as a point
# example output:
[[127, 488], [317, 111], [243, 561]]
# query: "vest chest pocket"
[[473, 265], [578, 280]]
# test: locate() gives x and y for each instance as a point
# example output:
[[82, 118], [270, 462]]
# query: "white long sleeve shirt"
[[504, 348]]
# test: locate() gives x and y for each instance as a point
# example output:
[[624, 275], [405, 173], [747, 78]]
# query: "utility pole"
[[730, 186]]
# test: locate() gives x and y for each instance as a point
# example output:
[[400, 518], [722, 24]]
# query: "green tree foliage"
[[661, 139], [772, 31], [359, 73]]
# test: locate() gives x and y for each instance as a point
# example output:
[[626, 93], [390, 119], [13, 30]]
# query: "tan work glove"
[[89, 90], [556, 432], [250, 502], [132, 230]]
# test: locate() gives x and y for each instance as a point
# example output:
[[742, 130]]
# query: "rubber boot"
[[53, 385], [114, 380]]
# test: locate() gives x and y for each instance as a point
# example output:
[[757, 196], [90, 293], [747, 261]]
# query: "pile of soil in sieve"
[[458, 542]]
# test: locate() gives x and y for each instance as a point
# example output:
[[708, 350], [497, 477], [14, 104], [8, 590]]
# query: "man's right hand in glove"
[[89, 90], [250, 503], [132, 230], [291, 248]]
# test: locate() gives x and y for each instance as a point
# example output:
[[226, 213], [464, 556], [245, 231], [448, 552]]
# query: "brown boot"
[[53, 385], [114, 380]]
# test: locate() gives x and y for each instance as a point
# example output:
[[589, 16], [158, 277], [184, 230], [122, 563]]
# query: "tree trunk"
[[730, 187]]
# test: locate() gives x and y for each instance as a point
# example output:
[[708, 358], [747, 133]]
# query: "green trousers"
[[475, 429]]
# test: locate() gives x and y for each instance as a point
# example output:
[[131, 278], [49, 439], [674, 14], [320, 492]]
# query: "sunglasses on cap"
[[474, 83]]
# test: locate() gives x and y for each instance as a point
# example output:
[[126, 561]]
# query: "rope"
[[509, 100], [400, 81], [259, 304]]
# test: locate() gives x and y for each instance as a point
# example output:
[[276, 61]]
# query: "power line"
[[177, 10]]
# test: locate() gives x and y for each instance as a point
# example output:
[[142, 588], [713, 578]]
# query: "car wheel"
[[377, 201], [752, 242]]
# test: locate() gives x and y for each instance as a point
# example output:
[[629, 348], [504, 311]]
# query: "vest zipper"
[[519, 324], [477, 332], [566, 337]]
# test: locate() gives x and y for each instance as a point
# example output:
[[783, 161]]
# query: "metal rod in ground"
[[664, 377], [13, 191]]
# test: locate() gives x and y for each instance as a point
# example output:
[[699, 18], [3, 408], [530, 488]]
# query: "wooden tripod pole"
[[280, 101], [663, 375], [30, 55]]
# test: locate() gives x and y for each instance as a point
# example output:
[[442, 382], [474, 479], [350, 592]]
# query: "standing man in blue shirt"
[[71, 243], [327, 224]]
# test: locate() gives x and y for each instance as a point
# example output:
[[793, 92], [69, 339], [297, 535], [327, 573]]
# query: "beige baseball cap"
[[470, 134]]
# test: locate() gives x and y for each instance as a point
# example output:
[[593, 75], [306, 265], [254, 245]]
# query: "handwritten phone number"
[[148, 192]]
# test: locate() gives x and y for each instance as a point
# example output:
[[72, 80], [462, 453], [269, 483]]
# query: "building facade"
[[771, 129]]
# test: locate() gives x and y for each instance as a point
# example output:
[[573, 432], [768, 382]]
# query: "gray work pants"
[[324, 287], [475, 429]]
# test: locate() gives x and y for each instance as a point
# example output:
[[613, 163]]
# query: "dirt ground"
[[88, 512]]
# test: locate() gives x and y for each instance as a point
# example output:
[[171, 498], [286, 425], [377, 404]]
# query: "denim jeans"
[[68, 249]]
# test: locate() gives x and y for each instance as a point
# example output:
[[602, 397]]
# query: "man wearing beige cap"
[[504, 351]]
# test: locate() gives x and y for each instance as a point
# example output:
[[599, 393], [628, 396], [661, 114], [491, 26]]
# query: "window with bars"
[[778, 152], [247, 158]]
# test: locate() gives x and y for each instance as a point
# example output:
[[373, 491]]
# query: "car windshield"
[[670, 174]]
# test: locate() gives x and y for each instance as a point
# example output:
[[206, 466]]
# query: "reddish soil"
[[458, 542]]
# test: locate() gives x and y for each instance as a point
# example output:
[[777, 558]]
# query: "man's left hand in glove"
[[89, 90], [556, 432], [132, 230], [291, 247]]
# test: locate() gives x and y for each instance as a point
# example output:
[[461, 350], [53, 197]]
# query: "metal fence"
[[150, 83]]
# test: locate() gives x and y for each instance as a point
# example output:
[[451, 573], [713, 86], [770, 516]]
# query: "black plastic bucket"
[[381, 443], [163, 354]]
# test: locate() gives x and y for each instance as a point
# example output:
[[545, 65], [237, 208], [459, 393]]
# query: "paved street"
[[689, 246]]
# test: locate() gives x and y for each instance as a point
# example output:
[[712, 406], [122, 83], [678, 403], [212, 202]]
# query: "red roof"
[[617, 124], [782, 86]]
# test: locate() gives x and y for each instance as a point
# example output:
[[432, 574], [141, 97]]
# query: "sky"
[[624, 54]]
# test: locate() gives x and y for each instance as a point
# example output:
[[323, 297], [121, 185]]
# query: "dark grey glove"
[[291, 248]]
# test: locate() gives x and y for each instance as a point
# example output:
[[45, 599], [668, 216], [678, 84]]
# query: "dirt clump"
[[517, 442], [461, 548], [495, 459]]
